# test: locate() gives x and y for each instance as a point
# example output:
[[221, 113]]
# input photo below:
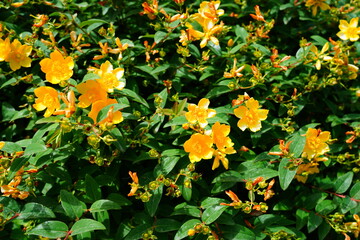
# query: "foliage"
[[177, 119]]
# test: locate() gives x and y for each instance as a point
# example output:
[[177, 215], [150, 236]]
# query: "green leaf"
[[242, 33], [186, 192], [343, 183], [90, 76], [314, 222], [180, 120], [355, 191], [11, 147], [52, 119], [104, 111], [186, 209], [301, 218], [166, 225], [136, 233], [297, 145], [217, 91], [325, 207], [153, 203], [215, 48], [134, 96], [211, 201], [285, 175], [34, 148], [104, 205], [238, 232], [35, 211], [50, 229], [120, 144], [86, 225], [15, 166], [92, 188], [323, 230], [159, 36], [212, 213], [183, 230], [166, 165], [72, 206]]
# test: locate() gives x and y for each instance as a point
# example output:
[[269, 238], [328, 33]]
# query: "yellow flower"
[[224, 144], [47, 98], [349, 30], [110, 78], [304, 170], [199, 113], [199, 147], [220, 134], [250, 115], [315, 143], [57, 68], [210, 10], [19, 55], [2, 144], [4, 49], [314, 4], [91, 91], [112, 117]]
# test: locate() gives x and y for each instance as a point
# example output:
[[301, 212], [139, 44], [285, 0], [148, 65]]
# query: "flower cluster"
[[207, 17]]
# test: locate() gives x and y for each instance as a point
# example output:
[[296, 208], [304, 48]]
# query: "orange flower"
[[304, 170], [349, 30], [258, 15], [18, 55], [315, 143], [47, 98], [57, 68], [112, 117], [91, 91], [121, 47], [314, 4], [234, 72], [199, 147], [4, 49], [135, 184], [110, 78], [69, 100], [250, 115], [199, 113], [150, 10], [236, 202]]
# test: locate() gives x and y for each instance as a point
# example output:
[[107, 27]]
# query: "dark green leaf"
[[185, 209], [86, 225], [355, 191], [285, 175], [72, 206], [134, 96], [325, 207], [343, 183], [136, 233], [183, 230], [104, 205], [153, 203], [301, 218], [297, 145], [35, 211], [93, 190], [212, 213], [50, 229], [34, 148], [166, 225], [314, 221]]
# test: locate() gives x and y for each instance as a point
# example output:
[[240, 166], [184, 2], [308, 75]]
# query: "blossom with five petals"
[[91, 91], [48, 98], [19, 55], [250, 115], [199, 146], [57, 68], [199, 113], [349, 30], [315, 144], [110, 78]]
